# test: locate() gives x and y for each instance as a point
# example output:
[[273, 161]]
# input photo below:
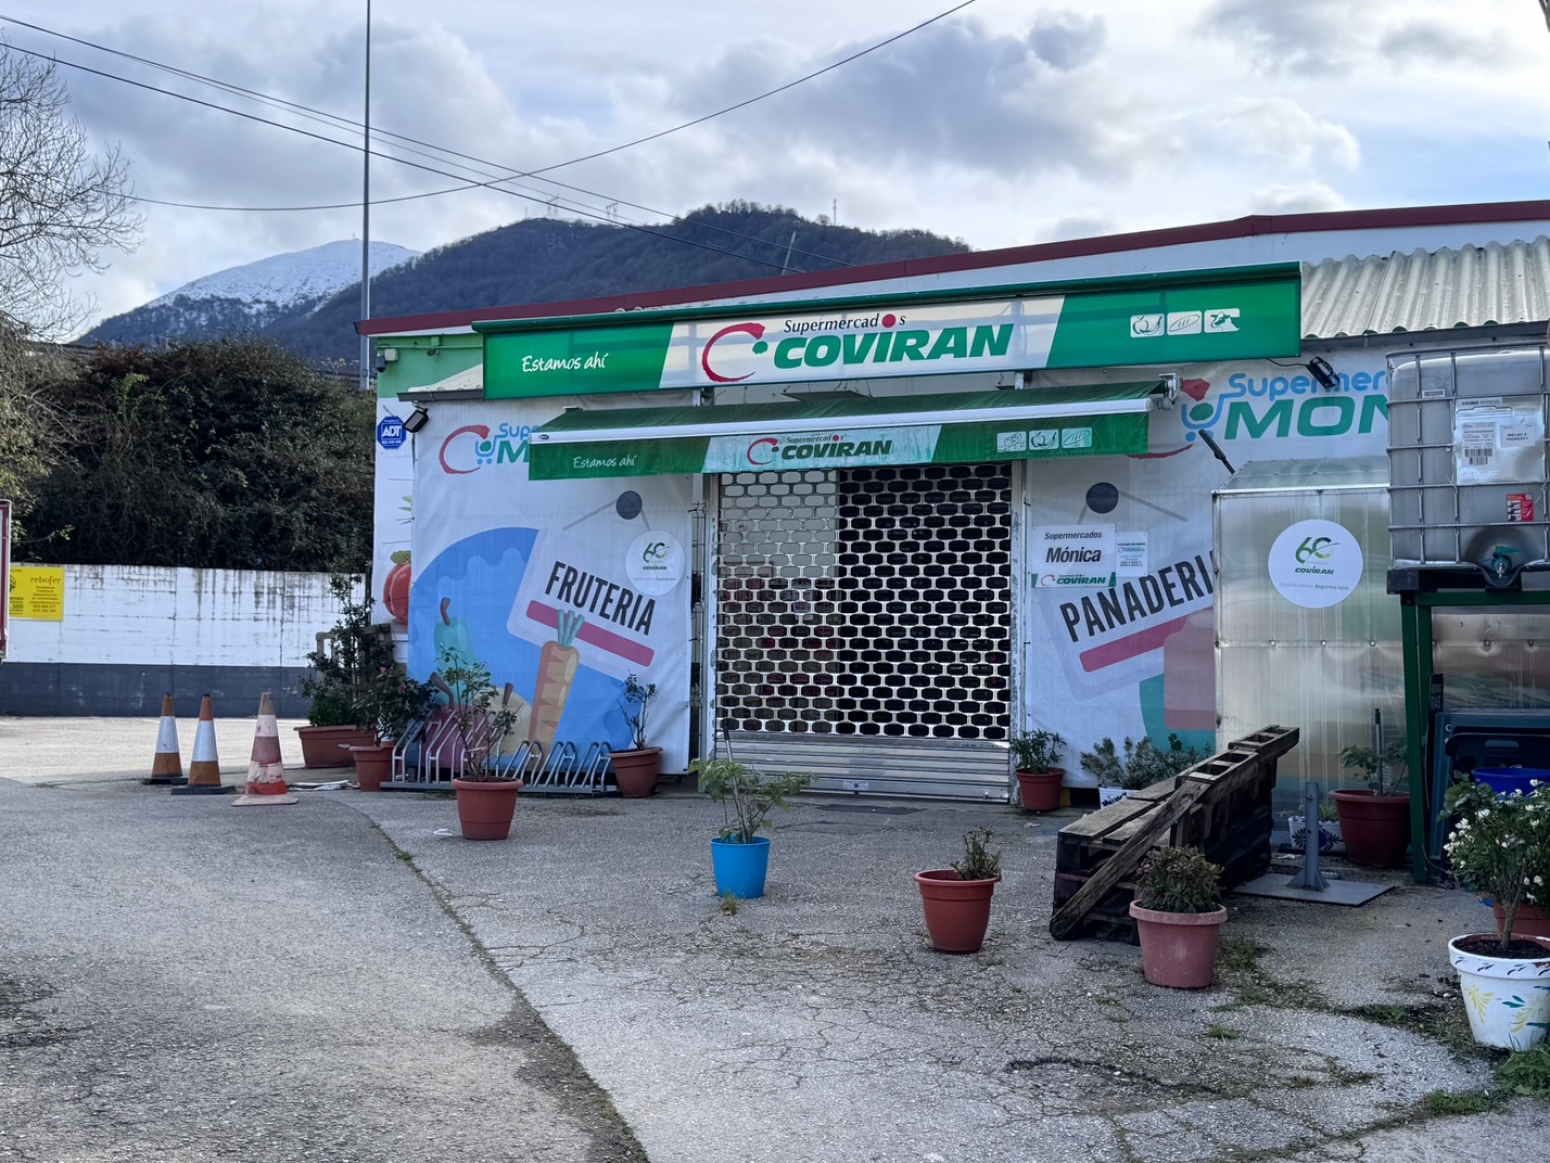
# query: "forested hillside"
[[542, 260]]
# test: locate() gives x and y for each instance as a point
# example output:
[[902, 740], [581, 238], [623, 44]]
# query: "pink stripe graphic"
[[595, 635], [1136, 644]]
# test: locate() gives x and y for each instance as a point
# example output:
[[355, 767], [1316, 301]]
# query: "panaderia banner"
[[1135, 652], [563, 590]]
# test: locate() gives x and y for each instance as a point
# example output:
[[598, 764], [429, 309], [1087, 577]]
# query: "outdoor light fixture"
[[1321, 371], [417, 419]]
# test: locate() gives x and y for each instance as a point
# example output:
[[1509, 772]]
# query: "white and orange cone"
[[167, 766], [266, 771], [204, 773]]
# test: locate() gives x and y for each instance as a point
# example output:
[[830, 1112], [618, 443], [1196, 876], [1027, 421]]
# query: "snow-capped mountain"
[[285, 279], [250, 297]]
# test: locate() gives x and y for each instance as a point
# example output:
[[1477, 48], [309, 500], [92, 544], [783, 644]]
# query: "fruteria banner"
[[562, 590], [1137, 656], [1150, 323]]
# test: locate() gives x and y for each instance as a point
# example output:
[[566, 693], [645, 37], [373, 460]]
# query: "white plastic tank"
[[1467, 461]]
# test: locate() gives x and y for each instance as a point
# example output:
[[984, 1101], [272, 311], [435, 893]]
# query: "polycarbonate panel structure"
[[1321, 670]]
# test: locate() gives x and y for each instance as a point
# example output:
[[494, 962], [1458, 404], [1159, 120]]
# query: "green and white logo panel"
[[1152, 324], [967, 443]]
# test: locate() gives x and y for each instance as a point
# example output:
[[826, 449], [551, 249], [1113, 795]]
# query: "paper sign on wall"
[[37, 593], [1130, 554], [1072, 555]]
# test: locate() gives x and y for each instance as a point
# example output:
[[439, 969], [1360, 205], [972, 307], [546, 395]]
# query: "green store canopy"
[[849, 432]]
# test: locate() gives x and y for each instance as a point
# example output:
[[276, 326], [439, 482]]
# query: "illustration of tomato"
[[395, 590]]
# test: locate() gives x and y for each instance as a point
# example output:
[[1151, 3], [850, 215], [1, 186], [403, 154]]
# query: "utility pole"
[[366, 218]]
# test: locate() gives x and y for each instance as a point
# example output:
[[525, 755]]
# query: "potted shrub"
[[636, 770], [486, 789], [1375, 823], [397, 703], [1179, 916], [957, 898], [1038, 779], [739, 856], [1499, 846], [343, 668], [1142, 765]]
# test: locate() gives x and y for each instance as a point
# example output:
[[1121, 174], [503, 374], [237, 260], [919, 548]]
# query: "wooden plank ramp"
[[1221, 805]]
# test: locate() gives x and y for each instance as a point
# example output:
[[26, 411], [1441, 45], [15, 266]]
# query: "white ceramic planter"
[[1507, 999]]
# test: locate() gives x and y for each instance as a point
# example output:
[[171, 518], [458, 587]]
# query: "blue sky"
[[1010, 122]]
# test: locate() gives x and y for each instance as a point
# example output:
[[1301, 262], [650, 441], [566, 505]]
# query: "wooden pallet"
[[1221, 806]]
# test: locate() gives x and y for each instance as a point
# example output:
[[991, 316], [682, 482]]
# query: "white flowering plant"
[[1500, 845]]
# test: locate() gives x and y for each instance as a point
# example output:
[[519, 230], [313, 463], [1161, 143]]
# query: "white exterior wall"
[[134, 615]]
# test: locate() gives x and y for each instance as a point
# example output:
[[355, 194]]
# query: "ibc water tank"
[[1467, 462]]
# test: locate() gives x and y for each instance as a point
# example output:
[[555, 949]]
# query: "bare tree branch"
[[61, 205]]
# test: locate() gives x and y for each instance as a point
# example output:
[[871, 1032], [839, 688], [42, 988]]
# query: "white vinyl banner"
[[1137, 657], [563, 589]]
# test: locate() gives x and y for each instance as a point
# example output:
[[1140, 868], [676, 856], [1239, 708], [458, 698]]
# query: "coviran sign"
[[1154, 324]]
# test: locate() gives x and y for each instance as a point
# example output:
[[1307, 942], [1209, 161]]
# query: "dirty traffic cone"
[[266, 772], [204, 773], [167, 767]]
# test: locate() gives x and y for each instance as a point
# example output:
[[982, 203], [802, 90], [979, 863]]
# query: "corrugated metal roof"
[[1473, 286]]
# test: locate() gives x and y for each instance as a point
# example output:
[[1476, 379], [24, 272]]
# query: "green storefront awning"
[[849, 432]]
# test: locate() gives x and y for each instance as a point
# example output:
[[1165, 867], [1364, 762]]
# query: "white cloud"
[[1006, 124]]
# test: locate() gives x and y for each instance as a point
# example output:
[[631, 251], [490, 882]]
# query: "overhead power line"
[[856, 56], [499, 185], [512, 172]]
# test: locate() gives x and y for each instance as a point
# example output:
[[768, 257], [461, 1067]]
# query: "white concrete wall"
[[138, 616]]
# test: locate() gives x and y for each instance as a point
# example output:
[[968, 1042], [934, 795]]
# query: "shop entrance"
[[864, 625]]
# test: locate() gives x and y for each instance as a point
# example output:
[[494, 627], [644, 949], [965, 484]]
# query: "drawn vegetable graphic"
[[395, 590], [557, 663]]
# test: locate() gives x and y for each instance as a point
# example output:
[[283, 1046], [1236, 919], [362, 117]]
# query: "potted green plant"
[[1499, 847], [1375, 821], [636, 769], [480, 718], [396, 703], [740, 857], [1038, 779], [956, 899], [343, 667], [1142, 765], [1179, 916]]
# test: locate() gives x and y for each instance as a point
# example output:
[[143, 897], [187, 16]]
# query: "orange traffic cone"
[[167, 767], [204, 773], [266, 771]]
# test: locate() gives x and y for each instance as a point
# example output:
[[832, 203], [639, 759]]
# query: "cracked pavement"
[[817, 1023]]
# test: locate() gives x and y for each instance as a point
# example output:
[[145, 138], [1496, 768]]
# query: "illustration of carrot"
[[557, 663]]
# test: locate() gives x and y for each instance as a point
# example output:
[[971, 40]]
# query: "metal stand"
[[1415, 609], [1309, 883]]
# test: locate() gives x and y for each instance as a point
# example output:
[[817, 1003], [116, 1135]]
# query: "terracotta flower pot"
[[485, 807], [957, 910], [373, 764], [324, 746], [636, 771], [1376, 829], [1041, 789], [1178, 950], [1531, 921]]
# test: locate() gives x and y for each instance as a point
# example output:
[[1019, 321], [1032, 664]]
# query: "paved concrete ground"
[[814, 1024]]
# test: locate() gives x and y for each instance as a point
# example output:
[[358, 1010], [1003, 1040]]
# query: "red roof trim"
[[1249, 227]]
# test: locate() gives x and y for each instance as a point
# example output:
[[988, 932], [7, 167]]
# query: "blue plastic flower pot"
[[740, 868], [1506, 780]]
